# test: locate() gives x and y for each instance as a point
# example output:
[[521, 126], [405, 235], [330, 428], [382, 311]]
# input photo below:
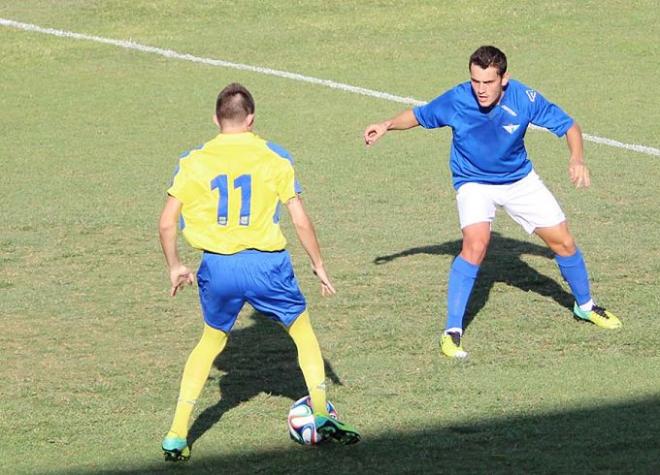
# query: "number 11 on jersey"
[[244, 182]]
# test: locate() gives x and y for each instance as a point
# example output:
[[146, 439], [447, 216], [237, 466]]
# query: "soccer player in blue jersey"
[[226, 196], [489, 116]]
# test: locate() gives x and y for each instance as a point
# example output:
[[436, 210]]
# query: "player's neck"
[[232, 127], [231, 130]]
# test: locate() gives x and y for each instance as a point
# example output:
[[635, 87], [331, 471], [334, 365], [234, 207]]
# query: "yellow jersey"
[[231, 189]]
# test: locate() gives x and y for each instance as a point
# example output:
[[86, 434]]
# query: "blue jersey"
[[488, 145]]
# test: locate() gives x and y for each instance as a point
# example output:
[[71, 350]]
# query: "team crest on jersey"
[[531, 93], [511, 128]]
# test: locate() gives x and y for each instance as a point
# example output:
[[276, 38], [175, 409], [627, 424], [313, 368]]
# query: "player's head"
[[488, 74], [234, 108]]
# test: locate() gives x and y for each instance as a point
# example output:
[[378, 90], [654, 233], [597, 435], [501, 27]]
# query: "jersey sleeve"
[[437, 113], [282, 152], [286, 184], [181, 187], [548, 115]]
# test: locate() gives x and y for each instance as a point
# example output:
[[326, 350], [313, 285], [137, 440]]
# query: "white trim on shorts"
[[528, 201]]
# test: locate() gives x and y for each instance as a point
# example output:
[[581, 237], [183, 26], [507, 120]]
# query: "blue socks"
[[574, 271], [462, 276]]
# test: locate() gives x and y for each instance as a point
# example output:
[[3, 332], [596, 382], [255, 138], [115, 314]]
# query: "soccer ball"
[[302, 427]]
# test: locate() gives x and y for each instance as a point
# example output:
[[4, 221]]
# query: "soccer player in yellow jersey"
[[226, 197]]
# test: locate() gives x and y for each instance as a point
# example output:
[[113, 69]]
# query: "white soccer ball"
[[302, 427]]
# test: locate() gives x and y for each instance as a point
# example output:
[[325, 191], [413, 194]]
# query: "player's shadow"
[[619, 437], [503, 263], [260, 358]]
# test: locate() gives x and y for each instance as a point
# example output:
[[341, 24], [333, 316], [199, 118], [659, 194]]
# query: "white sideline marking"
[[168, 53]]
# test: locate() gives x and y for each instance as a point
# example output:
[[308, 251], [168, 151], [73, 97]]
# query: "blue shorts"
[[263, 279]]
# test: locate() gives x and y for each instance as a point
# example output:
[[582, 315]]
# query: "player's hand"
[[326, 286], [373, 132], [579, 173], [180, 276]]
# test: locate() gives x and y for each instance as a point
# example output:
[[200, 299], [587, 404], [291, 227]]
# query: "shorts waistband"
[[245, 251]]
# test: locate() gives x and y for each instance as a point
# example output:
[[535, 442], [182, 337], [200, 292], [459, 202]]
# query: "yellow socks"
[[213, 341], [195, 374], [310, 361]]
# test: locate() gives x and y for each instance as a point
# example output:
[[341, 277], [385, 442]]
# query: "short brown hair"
[[234, 103], [487, 56]]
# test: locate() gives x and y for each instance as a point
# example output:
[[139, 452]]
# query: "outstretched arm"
[[307, 236], [577, 169], [405, 120], [180, 275]]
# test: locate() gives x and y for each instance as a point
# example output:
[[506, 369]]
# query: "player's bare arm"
[[577, 168], [307, 236], [405, 120], [180, 275]]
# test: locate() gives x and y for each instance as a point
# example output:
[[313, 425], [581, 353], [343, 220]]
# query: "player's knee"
[[474, 251], [565, 247], [213, 337]]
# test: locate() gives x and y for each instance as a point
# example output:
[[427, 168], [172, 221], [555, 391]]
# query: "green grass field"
[[92, 347]]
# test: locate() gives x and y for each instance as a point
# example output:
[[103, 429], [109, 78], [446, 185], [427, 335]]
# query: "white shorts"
[[527, 201]]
